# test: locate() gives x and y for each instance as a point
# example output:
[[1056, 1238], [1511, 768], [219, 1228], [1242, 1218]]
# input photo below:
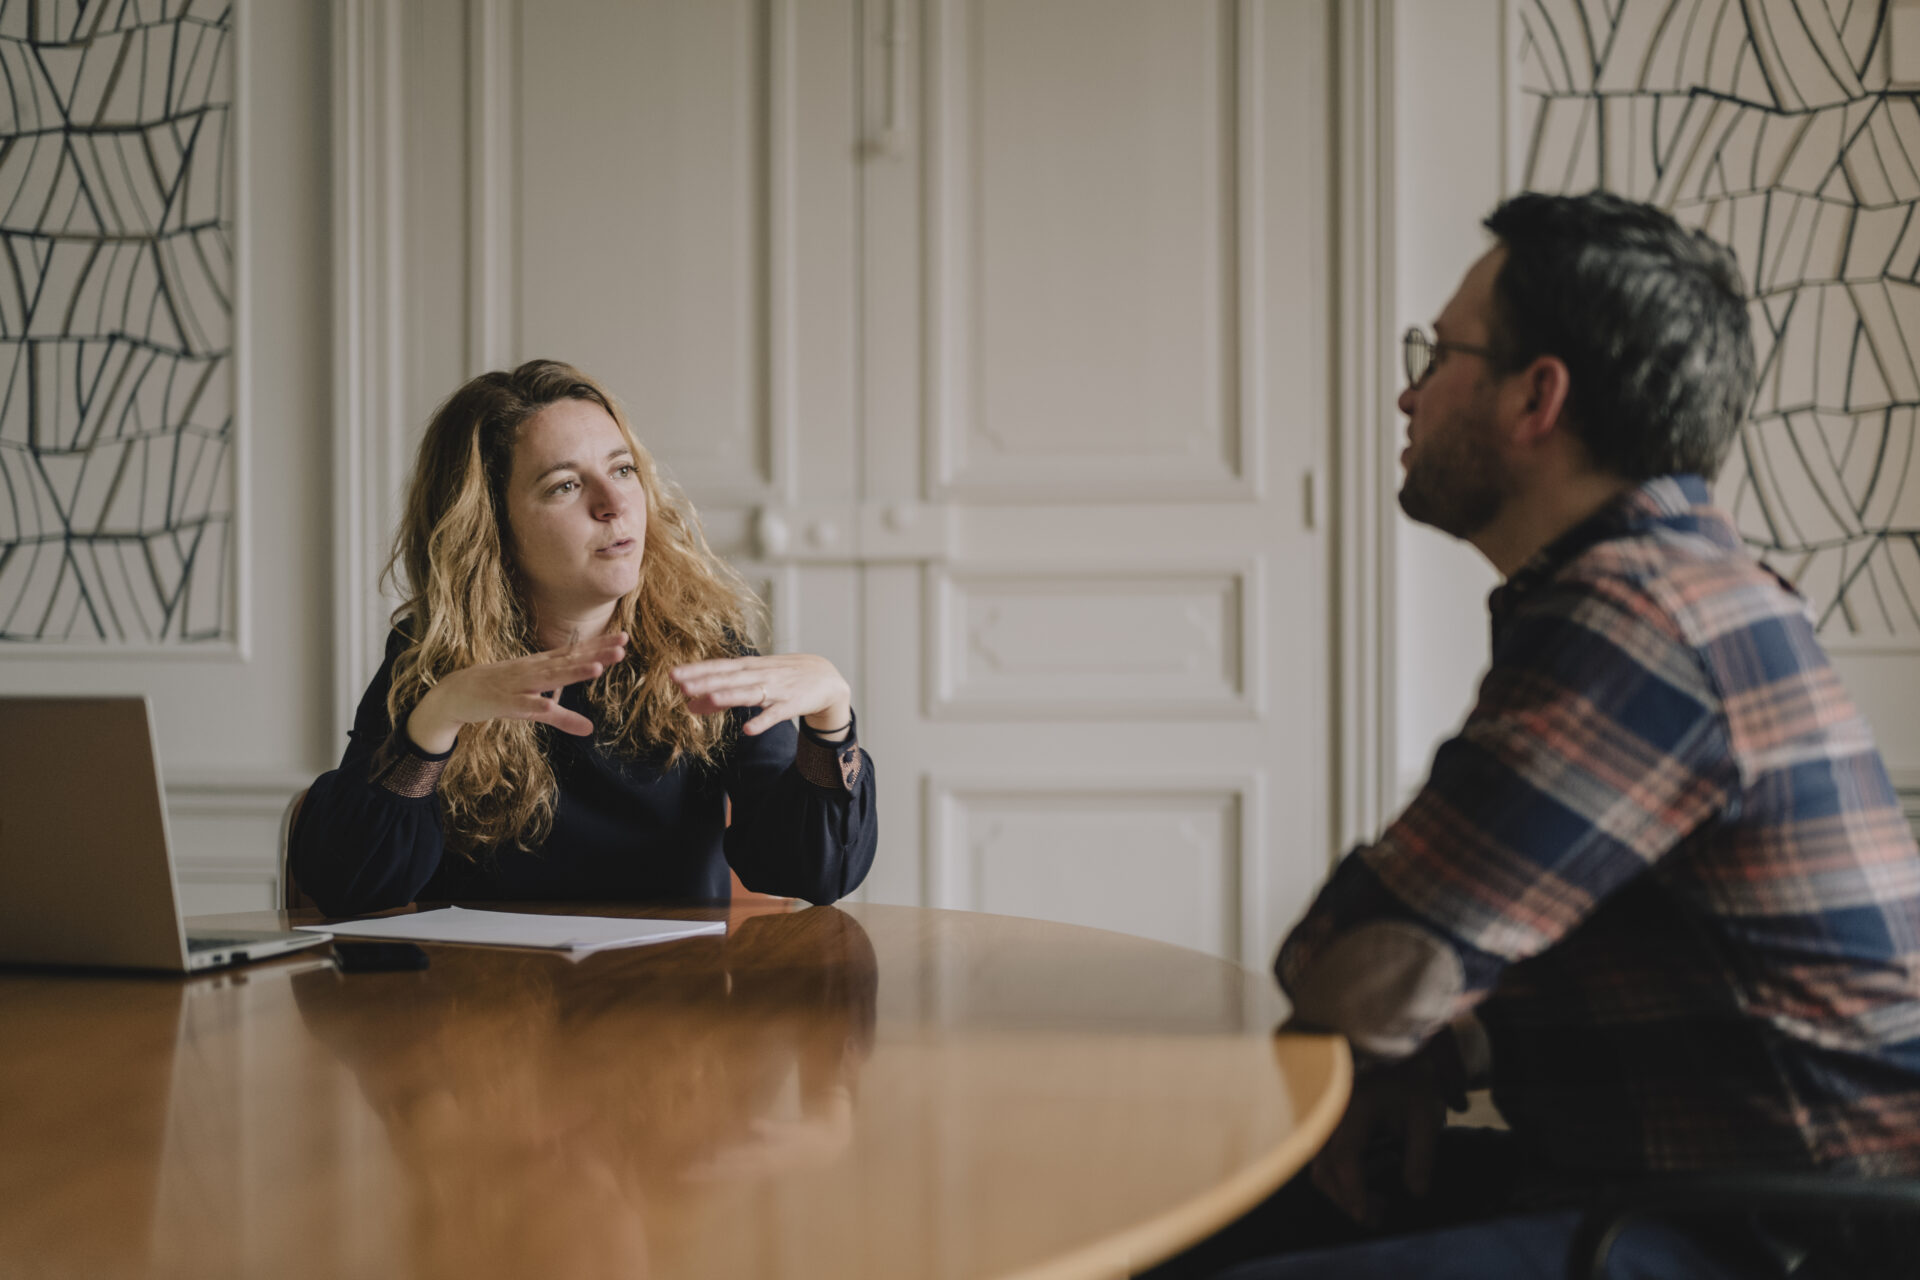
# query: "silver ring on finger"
[[763, 697]]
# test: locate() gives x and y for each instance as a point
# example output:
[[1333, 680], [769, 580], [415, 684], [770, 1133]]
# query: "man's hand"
[[1401, 1100]]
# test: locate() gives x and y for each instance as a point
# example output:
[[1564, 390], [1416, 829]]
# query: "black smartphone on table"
[[377, 957]]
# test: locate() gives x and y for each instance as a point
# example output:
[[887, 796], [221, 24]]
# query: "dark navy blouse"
[[369, 837]]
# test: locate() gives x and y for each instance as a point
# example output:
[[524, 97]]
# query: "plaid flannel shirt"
[[1664, 864]]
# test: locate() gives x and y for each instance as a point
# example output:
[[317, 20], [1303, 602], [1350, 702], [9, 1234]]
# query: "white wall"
[[1449, 129], [238, 735]]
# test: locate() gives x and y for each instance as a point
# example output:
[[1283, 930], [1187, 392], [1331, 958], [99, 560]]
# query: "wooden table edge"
[[1159, 1238]]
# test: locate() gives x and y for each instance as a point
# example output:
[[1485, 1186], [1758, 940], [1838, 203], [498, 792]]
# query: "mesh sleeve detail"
[[399, 769], [835, 766]]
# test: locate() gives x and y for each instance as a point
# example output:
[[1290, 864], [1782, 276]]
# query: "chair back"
[[289, 896]]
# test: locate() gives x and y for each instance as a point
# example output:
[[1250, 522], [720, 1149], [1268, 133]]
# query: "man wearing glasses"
[[1658, 890]]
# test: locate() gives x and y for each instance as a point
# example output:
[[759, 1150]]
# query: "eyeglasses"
[[1421, 353]]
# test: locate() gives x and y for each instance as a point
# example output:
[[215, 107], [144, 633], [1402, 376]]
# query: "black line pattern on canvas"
[[116, 322], [1770, 124]]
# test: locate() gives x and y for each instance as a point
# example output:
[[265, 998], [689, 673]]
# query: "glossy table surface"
[[835, 1092]]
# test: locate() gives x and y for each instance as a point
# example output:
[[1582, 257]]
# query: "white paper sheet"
[[577, 935]]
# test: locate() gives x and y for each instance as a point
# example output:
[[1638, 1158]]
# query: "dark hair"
[[1650, 320]]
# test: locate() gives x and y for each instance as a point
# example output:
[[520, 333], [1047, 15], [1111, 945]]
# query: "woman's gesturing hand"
[[784, 685], [519, 689]]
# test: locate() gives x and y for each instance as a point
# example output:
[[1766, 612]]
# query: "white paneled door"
[[989, 336]]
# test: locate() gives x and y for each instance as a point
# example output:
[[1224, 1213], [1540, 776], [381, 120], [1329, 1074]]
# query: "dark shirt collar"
[[1679, 502]]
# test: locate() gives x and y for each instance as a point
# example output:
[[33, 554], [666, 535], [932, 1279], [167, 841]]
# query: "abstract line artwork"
[[1770, 124], [117, 484]]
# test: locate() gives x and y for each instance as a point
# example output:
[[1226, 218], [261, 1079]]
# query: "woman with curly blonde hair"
[[568, 708]]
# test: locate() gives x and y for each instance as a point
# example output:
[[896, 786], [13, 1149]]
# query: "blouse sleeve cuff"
[[835, 766], [404, 769]]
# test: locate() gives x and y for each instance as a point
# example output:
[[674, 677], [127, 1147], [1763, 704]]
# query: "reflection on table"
[[866, 1091]]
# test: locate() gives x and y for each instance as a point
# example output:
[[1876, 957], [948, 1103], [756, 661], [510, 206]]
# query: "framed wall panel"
[[120, 475], [1094, 642], [1091, 236], [1167, 858], [666, 139]]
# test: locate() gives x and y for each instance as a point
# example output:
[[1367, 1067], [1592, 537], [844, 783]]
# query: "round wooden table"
[[835, 1092]]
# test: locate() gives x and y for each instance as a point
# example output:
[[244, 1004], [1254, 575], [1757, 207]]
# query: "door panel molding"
[[369, 341], [969, 451], [988, 840], [1182, 642], [492, 176], [760, 467]]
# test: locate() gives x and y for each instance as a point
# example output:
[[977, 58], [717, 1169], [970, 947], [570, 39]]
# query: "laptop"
[[86, 870]]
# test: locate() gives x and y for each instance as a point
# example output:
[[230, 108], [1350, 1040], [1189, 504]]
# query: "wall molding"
[[1365, 486], [779, 228], [1906, 785], [368, 331], [1254, 418], [493, 168], [231, 793], [232, 838], [226, 875]]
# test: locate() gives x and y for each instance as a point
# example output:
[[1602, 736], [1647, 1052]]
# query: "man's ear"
[[1536, 396]]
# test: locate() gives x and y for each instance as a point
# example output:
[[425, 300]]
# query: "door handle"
[[771, 533]]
